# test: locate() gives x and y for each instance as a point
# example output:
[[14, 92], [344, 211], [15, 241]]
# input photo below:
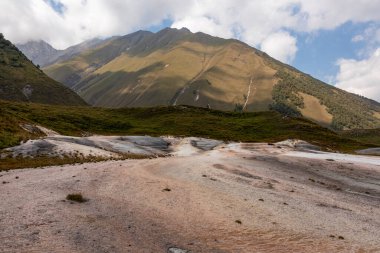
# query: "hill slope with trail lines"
[[178, 67]]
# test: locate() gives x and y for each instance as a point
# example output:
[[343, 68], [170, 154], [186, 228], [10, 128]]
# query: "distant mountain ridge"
[[43, 54], [39, 52], [20, 80], [176, 66]]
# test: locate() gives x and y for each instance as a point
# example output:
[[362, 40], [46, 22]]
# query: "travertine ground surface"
[[235, 198]]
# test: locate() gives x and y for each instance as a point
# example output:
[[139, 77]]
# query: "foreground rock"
[[55, 145], [233, 198], [369, 151]]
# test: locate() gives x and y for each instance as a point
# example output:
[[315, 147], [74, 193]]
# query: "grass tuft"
[[76, 197]]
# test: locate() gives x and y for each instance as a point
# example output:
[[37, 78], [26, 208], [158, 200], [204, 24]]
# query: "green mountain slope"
[[20, 80], [173, 67], [371, 136]]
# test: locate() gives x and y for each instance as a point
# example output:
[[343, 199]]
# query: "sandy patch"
[[314, 110]]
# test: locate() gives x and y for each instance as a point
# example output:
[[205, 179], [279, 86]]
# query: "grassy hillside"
[[347, 111], [174, 67], [178, 121], [20, 80], [170, 67], [371, 136]]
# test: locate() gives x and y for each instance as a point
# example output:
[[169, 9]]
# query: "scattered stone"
[[16, 177], [340, 237], [369, 151], [166, 190], [261, 200], [246, 174], [177, 250], [204, 175], [330, 160], [297, 144], [238, 222]]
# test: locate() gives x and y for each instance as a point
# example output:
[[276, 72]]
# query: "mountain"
[[43, 54], [173, 67], [39, 52], [20, 80]]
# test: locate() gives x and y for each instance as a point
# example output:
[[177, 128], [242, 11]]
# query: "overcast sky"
[[337, 41]]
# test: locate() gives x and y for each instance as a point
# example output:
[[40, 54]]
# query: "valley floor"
[[235, 198]]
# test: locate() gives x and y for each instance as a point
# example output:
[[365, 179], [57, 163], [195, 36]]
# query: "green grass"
[[349, 111], [19, 163], [11, 163], [178, 121], [371, 136]]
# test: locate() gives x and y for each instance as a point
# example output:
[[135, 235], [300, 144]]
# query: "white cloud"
[[263, 24], [281, 46], [327, 14], [361, 77], [357, 38], [371, 39], [258, 22], [24, 20], [252, 21]]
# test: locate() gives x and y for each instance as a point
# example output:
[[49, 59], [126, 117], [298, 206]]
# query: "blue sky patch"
[[57, 6]]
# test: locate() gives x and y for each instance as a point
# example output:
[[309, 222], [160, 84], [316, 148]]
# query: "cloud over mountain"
[[274, 26], [66, 22], [361, 77]]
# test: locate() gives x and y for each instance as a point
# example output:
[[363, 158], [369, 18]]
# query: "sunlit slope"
[[175, 67], [189, 73], [186, 68]]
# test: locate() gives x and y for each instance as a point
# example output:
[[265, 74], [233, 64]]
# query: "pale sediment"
[[234, 198]]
